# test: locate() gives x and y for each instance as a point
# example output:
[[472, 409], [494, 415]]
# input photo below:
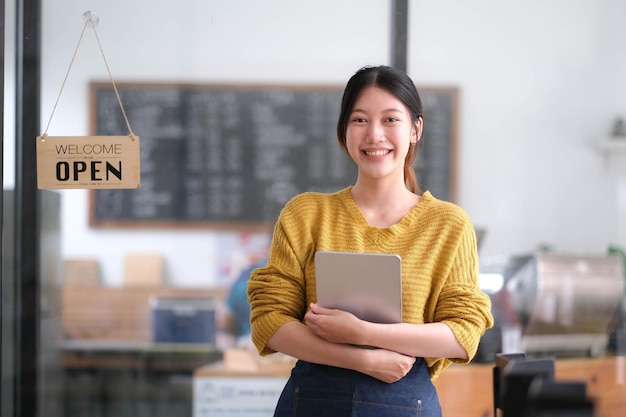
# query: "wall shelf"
[[614, 151], [613, 145]]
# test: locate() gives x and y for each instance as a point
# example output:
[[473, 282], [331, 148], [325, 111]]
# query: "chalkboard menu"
[[229, 156]]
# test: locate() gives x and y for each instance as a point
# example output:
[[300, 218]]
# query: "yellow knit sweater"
[[435, 240]]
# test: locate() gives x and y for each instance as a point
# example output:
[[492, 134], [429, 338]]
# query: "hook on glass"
[[91, 17]]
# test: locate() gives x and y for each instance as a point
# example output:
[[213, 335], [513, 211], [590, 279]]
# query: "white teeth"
[[376, 153]]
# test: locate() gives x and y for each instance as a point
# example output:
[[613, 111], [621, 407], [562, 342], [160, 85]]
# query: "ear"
[[416, 132]]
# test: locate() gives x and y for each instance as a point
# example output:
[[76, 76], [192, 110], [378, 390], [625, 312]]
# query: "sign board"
[[93, 162], [236, 396]]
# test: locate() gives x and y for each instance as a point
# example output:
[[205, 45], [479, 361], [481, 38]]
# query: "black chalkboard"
[[229, 156]]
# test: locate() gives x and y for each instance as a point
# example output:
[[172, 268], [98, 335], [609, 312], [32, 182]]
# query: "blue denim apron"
[[319, 391]]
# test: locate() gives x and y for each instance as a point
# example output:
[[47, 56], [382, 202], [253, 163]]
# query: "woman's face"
[[380, 130]]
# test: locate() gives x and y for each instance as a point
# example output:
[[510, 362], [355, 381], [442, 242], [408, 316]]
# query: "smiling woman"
[[444, 311]]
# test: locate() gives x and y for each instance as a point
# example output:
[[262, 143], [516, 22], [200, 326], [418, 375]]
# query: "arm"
[[454, 323], [421, 340], [225, 320], [295, 339], [277, 295], [234, 313]]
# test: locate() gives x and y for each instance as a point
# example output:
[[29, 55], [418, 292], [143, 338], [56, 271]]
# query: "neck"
[[380, 191], [383, 206]]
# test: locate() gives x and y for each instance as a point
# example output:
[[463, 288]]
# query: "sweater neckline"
[[400, 226]]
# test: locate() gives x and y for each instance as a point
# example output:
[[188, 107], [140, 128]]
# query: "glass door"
[[117, 317]]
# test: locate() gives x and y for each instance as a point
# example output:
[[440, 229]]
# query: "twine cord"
[[119, 100]]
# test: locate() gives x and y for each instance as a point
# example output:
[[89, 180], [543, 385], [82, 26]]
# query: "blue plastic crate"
[[176, 320]]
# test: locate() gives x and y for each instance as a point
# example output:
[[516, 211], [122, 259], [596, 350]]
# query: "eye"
[[358, 120], [392, 119]]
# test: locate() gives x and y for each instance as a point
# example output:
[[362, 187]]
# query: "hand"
[[386, 365], [336, 326]]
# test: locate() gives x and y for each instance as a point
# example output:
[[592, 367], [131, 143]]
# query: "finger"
[[315, 308], [309, 317]]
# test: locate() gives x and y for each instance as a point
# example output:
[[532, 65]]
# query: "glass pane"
[[6, 279], [142, 300]]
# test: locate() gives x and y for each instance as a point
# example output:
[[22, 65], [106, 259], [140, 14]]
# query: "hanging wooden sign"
[[88, 161], [92, 162]]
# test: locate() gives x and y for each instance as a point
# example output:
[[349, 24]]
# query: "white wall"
[[541, 82], [539, 89]]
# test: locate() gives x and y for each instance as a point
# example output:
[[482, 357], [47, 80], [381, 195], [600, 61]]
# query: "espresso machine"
[[563, 305]]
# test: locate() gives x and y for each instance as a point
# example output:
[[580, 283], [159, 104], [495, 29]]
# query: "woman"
[[444, 311]]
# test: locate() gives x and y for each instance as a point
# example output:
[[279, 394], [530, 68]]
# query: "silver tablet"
[[368, 285]]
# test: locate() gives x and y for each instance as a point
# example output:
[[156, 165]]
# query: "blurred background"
[[532, 148]]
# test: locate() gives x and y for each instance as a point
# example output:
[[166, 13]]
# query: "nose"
[[375, 132]]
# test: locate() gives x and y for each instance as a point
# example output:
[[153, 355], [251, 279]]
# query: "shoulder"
[[317, 197], [444, 211], [313, 202]]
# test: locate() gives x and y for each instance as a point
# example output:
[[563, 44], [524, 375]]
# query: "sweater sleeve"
[[277, 291], [462, 305]]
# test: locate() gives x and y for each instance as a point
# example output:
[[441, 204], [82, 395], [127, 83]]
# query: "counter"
[[251, 390]]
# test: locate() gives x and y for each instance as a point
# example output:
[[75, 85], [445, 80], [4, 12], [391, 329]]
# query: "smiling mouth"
[[377, 153]]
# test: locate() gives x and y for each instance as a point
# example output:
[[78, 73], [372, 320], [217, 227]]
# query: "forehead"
[[376, 98]]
